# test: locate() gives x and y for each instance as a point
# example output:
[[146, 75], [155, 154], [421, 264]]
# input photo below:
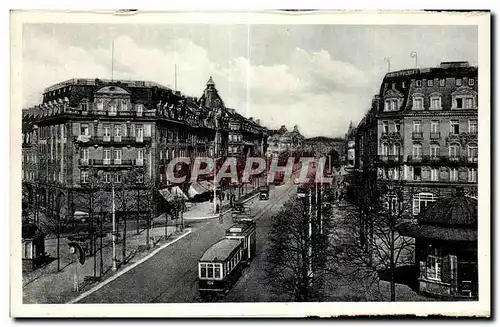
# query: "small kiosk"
[[33, 242], [446, 247]]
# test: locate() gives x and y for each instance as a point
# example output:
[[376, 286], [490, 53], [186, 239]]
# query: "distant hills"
[[323, 139]]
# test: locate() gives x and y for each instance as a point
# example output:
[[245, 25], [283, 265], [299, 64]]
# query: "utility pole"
[[215, 170], [113, 223], [309, 245], [112, 59]]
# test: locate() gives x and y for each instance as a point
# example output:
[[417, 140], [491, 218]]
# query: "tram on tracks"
[[245, 232], [219, 268]]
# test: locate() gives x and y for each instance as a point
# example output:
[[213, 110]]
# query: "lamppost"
[[414, 54], [113, 223]]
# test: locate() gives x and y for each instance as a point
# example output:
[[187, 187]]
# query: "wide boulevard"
[[171, 275]]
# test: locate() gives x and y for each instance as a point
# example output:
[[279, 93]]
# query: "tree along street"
[[171, 275]]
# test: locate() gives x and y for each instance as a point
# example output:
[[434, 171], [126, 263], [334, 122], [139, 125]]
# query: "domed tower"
[[211, 97]]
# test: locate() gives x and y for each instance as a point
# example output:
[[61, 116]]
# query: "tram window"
[[217, 272], [203, 271], [210, 271]]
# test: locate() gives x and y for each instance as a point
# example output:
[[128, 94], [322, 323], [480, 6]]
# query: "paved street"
[[171, 275]]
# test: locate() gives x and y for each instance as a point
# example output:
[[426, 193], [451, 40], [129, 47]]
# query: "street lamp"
[[114, 224]]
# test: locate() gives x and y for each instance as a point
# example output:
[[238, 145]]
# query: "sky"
[[319, 77]]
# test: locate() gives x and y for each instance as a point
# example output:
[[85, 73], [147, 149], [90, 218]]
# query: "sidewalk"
[[205, 210], [47, 285]]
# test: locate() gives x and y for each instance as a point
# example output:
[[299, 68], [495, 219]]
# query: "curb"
[[127, 269]]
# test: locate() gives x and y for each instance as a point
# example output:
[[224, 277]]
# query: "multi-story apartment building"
[[423, 129], [88, 130], [283, 140]]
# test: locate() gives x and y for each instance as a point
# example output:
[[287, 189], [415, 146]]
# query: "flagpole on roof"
[[175, 77], [112, 59]]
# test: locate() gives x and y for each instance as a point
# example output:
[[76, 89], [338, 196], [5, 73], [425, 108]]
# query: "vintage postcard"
[[272, 164]]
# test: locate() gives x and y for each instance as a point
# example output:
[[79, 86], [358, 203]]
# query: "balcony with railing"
[[417, 135], [441, 160], [391, 158], [435, 136], [394, 136], [100, 140], [107, 162]]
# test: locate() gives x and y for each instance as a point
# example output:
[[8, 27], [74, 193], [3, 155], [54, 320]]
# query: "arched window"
[[435, 150], [418, 101], [421, 201], [84, 105], [385, 149], [100, 104], [396, 149], [472, 152], [417, 150], [435, 101], [454, 150]]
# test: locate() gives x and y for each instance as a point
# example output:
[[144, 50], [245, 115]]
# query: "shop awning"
[[200, 187], [170, 193]]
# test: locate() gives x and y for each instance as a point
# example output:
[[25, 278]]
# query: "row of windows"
[[435, 149], [233, 149], [210, 270], [434, 175], [442, 82], [113, 106], [117, 154], [45, 132], [434, 125], [107, 177], [235, 137], [214, 271], [117, 131]]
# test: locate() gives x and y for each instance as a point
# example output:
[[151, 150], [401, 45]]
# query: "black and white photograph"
[[308, 164]]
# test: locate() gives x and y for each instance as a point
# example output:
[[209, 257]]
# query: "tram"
[[245, 232], [219, 268]]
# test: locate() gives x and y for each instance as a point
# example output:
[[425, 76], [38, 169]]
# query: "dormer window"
[[403, 85], [84, 106], [464, 98], [471, 81], [430, 82], [442, 82], [419, 83], [458, 82], [435, 101], [418, 102], [100, 104]]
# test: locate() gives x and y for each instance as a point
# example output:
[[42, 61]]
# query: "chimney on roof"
[[257, 121], [250, 118]]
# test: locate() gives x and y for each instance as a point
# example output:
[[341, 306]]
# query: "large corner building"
[[422, 129], [90, 129]]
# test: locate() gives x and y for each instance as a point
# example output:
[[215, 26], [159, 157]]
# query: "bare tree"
[[56, 218], [367, 240], [96, 200], [299, 256]]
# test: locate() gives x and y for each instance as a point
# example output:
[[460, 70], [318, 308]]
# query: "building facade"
[[88, 131], [282, 140], [422, 129]]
